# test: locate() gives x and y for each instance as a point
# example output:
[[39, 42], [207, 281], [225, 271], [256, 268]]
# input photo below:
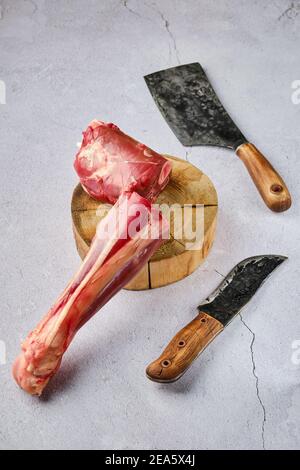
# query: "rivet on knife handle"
[[269, 183], [184, 348]]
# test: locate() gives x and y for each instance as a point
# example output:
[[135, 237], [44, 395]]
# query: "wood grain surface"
[[183, 349], [269, 183]]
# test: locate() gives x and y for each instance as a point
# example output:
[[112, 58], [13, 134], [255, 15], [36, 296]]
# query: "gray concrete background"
[[67, 62]]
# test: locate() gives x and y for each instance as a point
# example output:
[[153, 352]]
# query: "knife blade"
[[214, 314], [194, 112]]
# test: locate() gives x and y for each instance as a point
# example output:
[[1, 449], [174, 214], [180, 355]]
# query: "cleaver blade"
[[194, 112], [191, 107]]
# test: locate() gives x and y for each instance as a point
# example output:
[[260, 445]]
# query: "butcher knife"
[[192, 109], [214, 314]]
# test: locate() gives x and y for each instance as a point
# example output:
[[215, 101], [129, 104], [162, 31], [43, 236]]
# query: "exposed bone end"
[[34, 378], [25, 378]]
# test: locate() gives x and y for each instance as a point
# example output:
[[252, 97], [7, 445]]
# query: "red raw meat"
[[125, 239], [110, 162]]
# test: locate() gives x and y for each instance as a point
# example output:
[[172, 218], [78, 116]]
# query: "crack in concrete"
[[256, 382], [220, 274], [290, 12], [171, 35], [167, 27], [125, 5]]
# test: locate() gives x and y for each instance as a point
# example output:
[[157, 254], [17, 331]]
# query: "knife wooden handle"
[[268, 182], [184, 348]]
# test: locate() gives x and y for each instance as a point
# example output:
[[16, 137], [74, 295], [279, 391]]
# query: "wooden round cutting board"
[[174, 260]]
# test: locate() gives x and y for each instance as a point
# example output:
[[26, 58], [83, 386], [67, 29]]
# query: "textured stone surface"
[[67, 62]]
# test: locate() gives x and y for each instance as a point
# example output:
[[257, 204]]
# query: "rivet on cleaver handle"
[[235, 291]]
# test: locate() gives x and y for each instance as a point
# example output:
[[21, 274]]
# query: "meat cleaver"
[[192, 109], [234, 292]]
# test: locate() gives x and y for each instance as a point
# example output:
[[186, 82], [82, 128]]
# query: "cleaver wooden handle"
[[268, 182], [184, 348]]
